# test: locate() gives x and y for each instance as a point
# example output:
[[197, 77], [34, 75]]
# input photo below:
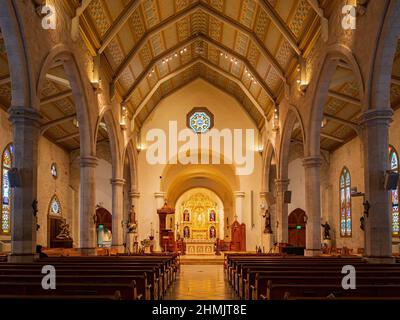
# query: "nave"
[[201, 282]]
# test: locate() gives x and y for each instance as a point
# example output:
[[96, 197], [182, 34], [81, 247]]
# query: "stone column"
[[88, 238], [281, 208], [239, 203], [160, 199], [378, 231], [26, 126], [312, 167], [117, 213]]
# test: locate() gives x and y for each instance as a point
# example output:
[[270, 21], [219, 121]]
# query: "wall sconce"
[[302, 81]]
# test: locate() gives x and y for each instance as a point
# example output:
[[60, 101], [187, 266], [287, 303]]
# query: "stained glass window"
[[394, 166], [200, 120], [55, 206], [345, 203], [6, 165]]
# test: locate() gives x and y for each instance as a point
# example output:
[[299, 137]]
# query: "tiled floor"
[[201, 282]]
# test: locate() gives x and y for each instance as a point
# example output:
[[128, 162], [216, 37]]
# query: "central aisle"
[[201, 282]]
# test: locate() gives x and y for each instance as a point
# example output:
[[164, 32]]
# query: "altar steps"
[[202, 259]]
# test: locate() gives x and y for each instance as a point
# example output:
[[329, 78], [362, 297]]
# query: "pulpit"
[[238, 237], [167, 241]]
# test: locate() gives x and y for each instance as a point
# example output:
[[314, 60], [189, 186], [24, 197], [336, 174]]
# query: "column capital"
[[88, 161], [239, 194], [282, 183], [24, 115], [159, 195], [117, 182], [134, 194], [312, 162], [376, 116]]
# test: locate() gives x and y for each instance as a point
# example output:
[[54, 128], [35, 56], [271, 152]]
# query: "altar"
[[199, 246]]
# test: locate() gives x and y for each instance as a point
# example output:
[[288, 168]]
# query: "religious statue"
[[327, 228], [366, 208], [186, 216], [132, 224], [35, 207], [186, 232], [212, 233], [65, 232], [212, 215], [362, 223], [267, 216]]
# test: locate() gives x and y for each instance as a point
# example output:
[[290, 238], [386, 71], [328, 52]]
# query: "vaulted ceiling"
[[250, 47]]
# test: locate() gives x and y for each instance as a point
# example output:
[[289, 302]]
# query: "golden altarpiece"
[[199, 224]]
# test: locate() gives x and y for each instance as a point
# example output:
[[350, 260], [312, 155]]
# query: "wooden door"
[[297, 228]]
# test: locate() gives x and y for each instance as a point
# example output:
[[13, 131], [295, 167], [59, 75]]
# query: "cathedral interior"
[[200, 149]]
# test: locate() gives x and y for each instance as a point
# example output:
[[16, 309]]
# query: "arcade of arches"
[[105, 119]]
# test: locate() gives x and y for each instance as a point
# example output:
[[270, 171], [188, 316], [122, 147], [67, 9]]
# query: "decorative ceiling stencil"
[[183, 28], [150, 13], [215, 28], [199, 23], [302, 12], [217, 4], [98, 16], [247, 13], [241, 43], [261, 24], [137, 25]]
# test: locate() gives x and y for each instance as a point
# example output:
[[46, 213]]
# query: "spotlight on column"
[[391, 180]]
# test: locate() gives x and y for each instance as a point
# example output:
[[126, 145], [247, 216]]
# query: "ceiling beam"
[[344, 122], [56, 122], [157, 59], [212, 12], [324, 21], [187, 66], [343, 97], [151, 32], [56, 97], [250, 34], [69, 137], [159, 82], [59, 80], [75, 20], [246, 64], [117, 25], [328, 136], [214, 43], [238, 82], [280, 24]]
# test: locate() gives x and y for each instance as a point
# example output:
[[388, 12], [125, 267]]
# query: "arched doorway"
[[103, 227], [297, 228]]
